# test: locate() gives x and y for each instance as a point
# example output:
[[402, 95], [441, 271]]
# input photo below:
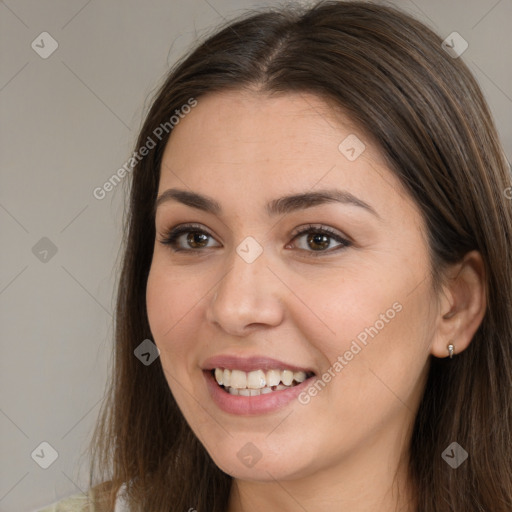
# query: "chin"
[[255, 460]]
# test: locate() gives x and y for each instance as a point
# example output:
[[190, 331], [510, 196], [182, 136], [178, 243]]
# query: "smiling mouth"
[[257, 382]]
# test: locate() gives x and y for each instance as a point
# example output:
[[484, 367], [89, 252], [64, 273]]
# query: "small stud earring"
[[450, 350]]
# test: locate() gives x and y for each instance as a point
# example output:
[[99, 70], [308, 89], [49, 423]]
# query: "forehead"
[[244, 146], [247, 130]]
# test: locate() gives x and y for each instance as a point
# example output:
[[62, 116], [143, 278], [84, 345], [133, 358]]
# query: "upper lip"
[[249, 364]]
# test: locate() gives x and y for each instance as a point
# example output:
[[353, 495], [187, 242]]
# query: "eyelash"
[[171, 236]]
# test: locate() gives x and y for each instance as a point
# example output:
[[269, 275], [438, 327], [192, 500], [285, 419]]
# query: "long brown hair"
[[425, 111]]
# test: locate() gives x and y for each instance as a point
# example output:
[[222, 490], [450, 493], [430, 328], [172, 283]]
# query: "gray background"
[[68, 122]]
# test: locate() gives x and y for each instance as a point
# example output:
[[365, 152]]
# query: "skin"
[[345, 449]]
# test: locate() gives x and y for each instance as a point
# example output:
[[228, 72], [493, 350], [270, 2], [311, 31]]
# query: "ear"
[[462, 305]]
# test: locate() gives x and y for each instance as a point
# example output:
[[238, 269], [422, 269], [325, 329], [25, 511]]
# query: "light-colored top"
[[81, 503], [74, 503]]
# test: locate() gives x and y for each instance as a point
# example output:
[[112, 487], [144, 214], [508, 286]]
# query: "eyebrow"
[[280, 206]]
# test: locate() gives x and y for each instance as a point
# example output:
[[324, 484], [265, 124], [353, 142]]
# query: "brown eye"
[[197, 239], [189, 238], [319, 240]]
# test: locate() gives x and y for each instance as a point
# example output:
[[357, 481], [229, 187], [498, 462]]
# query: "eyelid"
[[320, 228], [342, 239], [172, 234]]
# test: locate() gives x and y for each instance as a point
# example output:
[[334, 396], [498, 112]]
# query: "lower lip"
[[252, 405]]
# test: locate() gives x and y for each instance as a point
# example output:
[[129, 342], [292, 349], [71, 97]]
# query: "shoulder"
[[86, 502], [75, 503]]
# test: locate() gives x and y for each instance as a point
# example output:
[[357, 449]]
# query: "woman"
[[315, 308]]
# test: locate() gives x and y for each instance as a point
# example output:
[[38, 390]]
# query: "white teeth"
[[254, 392], [256, 380], [238, 379], [299, 376], [273, 377], [287, 377]]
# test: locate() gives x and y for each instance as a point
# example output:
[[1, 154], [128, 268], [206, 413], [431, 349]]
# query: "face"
[[328, 293]]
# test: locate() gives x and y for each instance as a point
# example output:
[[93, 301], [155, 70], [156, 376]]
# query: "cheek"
[[171, 297], [379, 323], [160, 303], [171, 305], [383, 363], [345, 307], [170, 309]]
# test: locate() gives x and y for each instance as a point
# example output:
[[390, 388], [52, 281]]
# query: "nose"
[[248, 296]]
